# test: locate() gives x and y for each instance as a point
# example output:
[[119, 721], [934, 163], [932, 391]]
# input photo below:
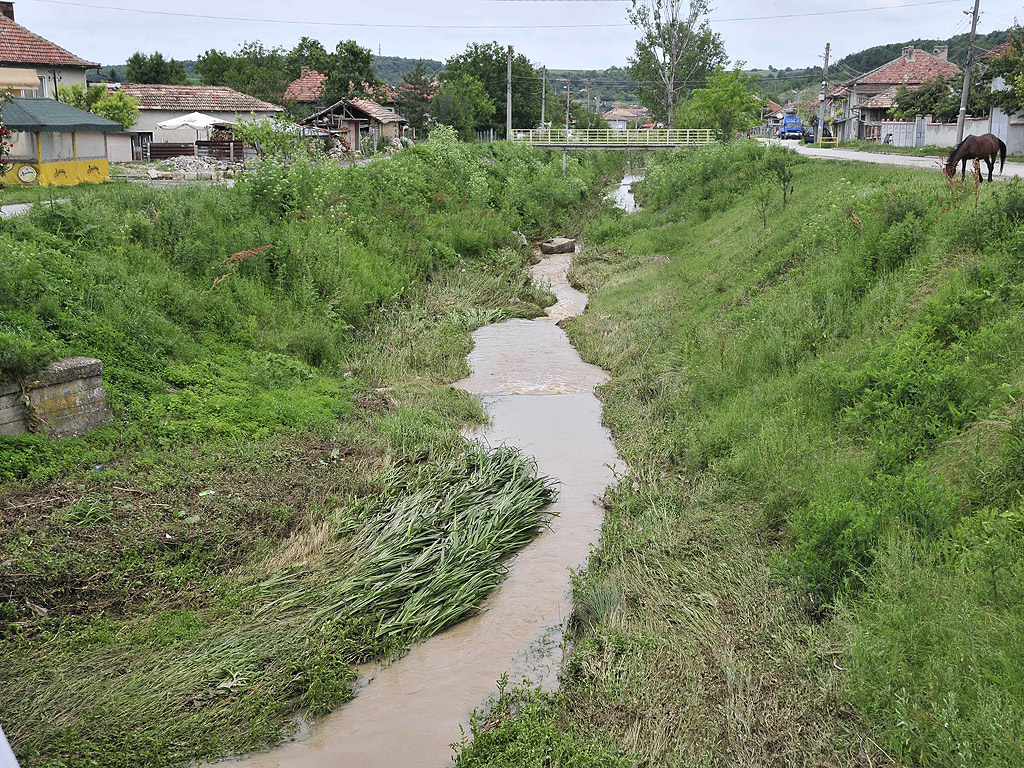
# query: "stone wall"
[[66, 399]]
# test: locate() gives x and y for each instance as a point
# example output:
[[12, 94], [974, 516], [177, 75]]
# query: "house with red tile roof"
[[623, 117], [360, 123], [308, 88], [859, 106], [31, 65], [158, 103]]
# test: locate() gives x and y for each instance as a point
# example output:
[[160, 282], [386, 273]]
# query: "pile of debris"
[[192, 168]]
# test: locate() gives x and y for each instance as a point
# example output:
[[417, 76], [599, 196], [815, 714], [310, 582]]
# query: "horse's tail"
[[1002, 154]]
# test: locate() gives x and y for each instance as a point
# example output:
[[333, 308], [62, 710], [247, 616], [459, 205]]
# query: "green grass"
[[925, 151], [814, 559], [10, 194], [187, 581]]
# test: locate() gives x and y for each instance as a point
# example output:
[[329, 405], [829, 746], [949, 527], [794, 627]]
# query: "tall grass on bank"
[[819, 549], [191, 579]]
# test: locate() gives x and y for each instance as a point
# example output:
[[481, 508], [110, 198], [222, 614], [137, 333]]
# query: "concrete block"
[[558, 245], [66, 399]]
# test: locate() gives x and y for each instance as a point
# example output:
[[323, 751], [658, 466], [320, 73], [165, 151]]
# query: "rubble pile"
[[192, 168]]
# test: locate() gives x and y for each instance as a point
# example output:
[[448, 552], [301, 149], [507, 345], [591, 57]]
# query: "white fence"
[[599, 137]]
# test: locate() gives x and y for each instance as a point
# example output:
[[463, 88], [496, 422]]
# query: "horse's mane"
[[952, 155]]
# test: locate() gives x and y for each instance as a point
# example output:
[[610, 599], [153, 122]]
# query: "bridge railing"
[[654, 137]]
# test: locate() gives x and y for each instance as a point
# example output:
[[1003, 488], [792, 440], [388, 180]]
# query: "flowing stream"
[[540, 398]]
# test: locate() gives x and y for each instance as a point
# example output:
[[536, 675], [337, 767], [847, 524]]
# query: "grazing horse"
[[984, 147]]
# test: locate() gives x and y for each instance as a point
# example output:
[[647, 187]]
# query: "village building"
[[31, 66], [308, 89], [621, 118], [860, 106], [360, 124], [162, 103], [57, 144]]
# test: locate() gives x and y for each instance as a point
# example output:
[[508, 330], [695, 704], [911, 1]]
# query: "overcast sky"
[[550, 32]]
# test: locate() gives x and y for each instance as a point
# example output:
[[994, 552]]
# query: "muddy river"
[[540, 398]]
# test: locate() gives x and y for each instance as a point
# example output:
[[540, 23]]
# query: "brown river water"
[[540, 398]]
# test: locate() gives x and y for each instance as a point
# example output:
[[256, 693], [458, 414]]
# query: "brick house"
[[31, 66]]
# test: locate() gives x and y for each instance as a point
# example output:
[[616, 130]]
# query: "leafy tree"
[[308, 52], [939, 97], [350, 72], [414, 96], [79, 97], [392, 69], [464, 104], [252, 69], [154, 68], [115, 105], [487, 63], [1010, 67], [728, 104], [582, 117], [119, 106], [676, 49]]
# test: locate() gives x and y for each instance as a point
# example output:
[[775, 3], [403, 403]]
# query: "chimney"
[[305, 71], [941, 52], [7, 9], [908, 52]]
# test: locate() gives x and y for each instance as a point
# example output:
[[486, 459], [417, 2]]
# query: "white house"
[[158, 103], [31, 66]]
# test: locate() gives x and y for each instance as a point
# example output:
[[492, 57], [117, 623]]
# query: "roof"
[[771, 106], [307, 88], [196, 98], [49, 116], [377, 112], [622, 113], [883, 100], [913, 68], [996, 52], [19, 46]]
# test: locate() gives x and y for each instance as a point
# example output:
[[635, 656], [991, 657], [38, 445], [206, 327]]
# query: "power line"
[[321, 23]]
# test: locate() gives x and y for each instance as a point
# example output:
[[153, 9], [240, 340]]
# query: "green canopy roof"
[[35, 115]]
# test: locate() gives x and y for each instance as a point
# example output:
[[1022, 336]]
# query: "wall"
[[150, 117], [65, 76], [66, 399], [944, 134], [119, 147]]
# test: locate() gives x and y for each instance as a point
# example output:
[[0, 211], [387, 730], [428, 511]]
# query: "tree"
[[310, 53], [1010, 67], [119, 106], [115, 105], [939, 97], [350, 72], [487, 63], [154, 68], [728, 104], [675, 49], [464, 104], [252, 69], [581, 116], [79, 97], [414, 96]]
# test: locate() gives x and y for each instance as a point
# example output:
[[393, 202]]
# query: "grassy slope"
[[184, 582], [816, 557]]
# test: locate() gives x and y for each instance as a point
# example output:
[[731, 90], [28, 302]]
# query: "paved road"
[[932, 163]]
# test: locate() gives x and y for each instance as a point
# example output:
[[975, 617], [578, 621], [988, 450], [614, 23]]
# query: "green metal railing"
[[602, 137]]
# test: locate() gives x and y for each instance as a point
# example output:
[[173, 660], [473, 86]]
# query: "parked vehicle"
[[792, 126]]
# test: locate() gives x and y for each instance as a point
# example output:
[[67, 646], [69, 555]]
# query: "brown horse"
[[984, 147]]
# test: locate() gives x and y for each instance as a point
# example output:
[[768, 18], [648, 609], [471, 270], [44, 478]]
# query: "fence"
[[598, 138], [224, 150]]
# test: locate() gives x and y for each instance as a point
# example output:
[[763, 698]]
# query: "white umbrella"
[[195, 120]]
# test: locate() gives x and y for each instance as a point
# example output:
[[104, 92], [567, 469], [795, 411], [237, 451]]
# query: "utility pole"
[[508, 99], [568, 90], [967, 76], [543, 92], [824, 92]]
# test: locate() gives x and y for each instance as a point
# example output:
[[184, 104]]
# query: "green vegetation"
[[816, 556], [154, 68], [728, 105], [285, 491], [393, 69], [115, 105]]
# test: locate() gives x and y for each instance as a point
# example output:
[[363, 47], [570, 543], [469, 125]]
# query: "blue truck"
[[792, 127]]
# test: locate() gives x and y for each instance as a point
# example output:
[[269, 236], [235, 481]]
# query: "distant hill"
[[392, 69], [612, 84]]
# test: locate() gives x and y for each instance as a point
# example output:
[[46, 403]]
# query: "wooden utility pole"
[[966, 92], [824, 93], [568, 90], [543, 92], [508, 99]]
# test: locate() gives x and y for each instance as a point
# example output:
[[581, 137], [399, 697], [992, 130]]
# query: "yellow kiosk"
[[53, 143]]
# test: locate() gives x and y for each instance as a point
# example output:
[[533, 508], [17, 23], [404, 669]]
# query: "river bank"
[[812, 559], [188, 581]]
